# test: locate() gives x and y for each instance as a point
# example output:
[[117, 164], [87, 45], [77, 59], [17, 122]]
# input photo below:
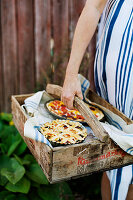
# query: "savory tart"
[[58, 108], [63, 132]]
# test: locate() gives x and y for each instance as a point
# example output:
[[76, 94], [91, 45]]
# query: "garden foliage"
[[21, 178]]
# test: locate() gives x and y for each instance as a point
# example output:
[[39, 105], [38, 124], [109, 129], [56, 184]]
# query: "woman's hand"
[[71, 88]]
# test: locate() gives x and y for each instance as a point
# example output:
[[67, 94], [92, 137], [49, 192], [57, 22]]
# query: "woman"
[[113, 70]]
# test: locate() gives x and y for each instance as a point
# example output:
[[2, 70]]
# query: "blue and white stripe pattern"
[[114, 74], [40, 137], [84, 86]]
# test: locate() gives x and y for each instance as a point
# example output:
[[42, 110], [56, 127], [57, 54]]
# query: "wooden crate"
[[71, 161]]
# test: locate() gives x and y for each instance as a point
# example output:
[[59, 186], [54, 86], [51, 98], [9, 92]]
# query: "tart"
[[57, 107], [64, 132]]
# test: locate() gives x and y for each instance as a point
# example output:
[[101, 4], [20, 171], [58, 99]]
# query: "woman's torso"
[[114, 56]]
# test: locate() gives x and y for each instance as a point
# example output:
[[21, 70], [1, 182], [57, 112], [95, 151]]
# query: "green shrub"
[[21, 178]]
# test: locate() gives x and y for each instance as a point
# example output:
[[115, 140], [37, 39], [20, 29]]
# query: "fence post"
[[9, 51], [60, 36], [26, 46], [42, 30]]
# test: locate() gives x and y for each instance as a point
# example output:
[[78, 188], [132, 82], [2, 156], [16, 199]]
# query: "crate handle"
[[90, 118]]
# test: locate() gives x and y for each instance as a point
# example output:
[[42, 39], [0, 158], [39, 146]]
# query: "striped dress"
[[114, 74]]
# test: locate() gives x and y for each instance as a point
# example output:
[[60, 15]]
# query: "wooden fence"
[[35, 41]]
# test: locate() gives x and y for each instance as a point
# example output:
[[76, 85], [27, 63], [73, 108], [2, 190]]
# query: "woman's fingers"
[[70, 102], [71, 88], [68, 99], [79, 94]]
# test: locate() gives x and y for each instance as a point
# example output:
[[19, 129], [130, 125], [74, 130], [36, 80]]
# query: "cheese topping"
[[57, 107], [64, 131]]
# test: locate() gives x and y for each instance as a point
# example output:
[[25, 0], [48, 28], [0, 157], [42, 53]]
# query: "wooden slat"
[[1, 71], [26, 45], [42, 37], [23, 61], [91, 120], [91, 51], [75, 9], [93, 97], [60, 35], [87, 65], [9, 50]]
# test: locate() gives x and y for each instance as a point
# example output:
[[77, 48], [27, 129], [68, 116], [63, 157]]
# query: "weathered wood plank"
[[75, 162], [75, 9], [91, 96], [1, 71], [9, 50], [91, 120], [18, 52], [25, 46], [42, 38], [87, 65], [91, 58], [60, 36]]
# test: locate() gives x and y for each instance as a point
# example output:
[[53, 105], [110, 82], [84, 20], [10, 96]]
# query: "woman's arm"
[[84, 31]]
